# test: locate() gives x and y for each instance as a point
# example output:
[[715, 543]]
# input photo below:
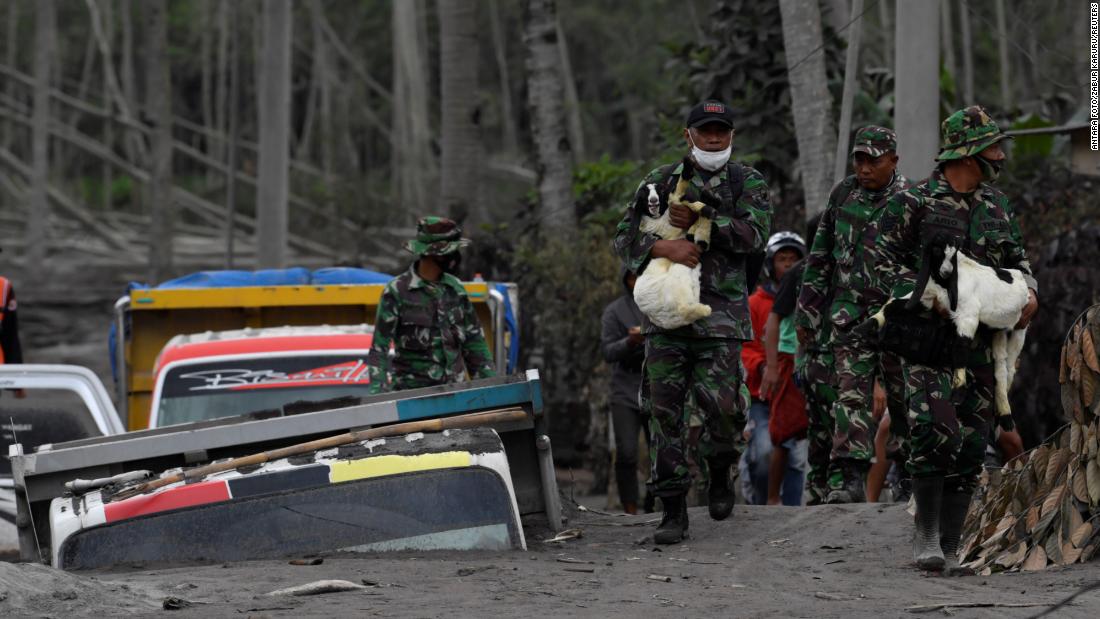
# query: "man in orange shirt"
[[10, 350]]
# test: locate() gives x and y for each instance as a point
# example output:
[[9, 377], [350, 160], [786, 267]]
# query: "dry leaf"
[[1003, 527], [1036, 560], [1081, 534], [1013, 557], [1074, 521], [1089, 551], [1076, 437], [1070, 554], [1080, 486], [1032, 518], [1050, 504], [1038, 463], [1088, 351], [1092, 478], [1088, 387], [1062, 370], [1053, 546], [1071, 400], [1056, 463]]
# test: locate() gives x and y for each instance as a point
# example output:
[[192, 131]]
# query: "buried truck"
[[56, 403], [258, 318], [459, 466], [321, 469]]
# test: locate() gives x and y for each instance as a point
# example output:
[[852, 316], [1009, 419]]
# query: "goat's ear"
[[953, 281], [922, 281]]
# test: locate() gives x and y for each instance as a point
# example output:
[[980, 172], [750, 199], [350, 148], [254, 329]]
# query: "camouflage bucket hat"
[[968, 132], [436, 236], [875, 141]]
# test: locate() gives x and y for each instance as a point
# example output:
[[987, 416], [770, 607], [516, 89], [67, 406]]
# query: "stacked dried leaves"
[[1044, 507]]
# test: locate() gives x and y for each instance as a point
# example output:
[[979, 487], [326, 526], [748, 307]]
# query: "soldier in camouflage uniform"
[[834, 297], [704, 358], [816, 374], [426, 315], [948, 427]]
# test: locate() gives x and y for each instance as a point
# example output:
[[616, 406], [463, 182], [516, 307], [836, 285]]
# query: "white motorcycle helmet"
[[778, 241]]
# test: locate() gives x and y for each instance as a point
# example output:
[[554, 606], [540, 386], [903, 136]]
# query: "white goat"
[[666, 292], [974, 294]]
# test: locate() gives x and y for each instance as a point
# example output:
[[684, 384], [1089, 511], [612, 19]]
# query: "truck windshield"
[[199, 391], [41, 416]]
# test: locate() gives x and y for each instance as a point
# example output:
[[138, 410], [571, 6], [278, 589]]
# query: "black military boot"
[[674, 523], [928, 492], [952, 516], [719, 492], [853, 489]]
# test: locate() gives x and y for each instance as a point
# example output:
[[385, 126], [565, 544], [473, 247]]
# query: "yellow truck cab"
[[148, 318]]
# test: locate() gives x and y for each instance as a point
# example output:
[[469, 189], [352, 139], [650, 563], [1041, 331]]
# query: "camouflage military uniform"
[[947, 427], [836, 292], [816, 372], [433, 327], [703, 358]]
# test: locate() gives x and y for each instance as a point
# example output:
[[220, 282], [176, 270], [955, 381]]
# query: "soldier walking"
[[833, 300], [426, 315], [703, 358], [947, 426]]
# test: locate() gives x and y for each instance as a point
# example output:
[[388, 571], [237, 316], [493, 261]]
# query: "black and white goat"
[[668, 292], [974, 294]]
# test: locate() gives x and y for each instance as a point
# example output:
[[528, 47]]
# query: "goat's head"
[[939, 261], [653, 201], [941, 254]]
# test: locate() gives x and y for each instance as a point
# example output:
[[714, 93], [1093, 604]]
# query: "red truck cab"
[[227, 373]]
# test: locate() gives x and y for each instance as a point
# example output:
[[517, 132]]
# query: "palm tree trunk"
[[572, 101], [273, 102], [234, 60], [38, 205], [916, 111], [947, 35], [324, 111], [545, 93], [1002, 55], [509, 140], [810, 99], [9, 61], [413, 169], [968, 53], [460, 113], [887, 31], [851, 83], [158, 80]]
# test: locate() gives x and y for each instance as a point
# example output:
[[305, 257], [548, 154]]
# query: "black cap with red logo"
[[710, 111]]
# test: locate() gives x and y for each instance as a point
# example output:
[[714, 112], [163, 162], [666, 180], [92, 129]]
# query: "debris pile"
[[1043, 508]]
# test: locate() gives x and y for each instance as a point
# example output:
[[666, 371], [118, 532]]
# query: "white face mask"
[[710, 161]]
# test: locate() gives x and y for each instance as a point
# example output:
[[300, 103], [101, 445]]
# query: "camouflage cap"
[[875, 141], [967, 132], [436, 236]]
